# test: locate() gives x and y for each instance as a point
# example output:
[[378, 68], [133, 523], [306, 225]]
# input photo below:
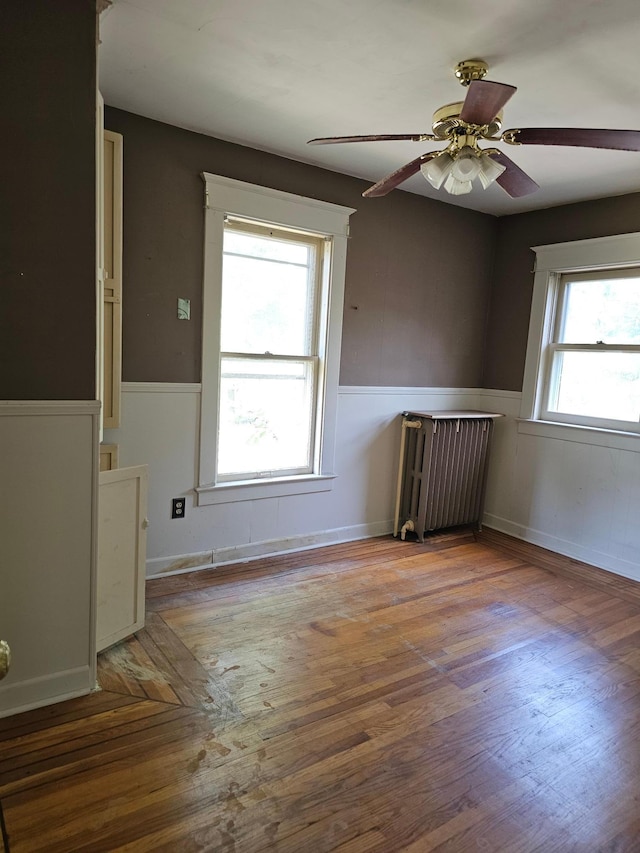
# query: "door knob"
[[5, 658]]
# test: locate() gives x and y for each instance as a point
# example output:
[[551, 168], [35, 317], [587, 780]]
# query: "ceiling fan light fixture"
[[464, 124], [437, 169], [455, 187], [466, 166], [489, 171]]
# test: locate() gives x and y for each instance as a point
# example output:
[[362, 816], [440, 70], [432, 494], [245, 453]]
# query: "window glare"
[[606, 310], [266, 307], [599, 385]]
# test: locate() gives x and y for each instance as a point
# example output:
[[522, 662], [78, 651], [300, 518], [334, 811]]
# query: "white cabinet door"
[[122, 545]]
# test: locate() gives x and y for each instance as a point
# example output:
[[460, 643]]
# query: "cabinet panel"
[[122, 540]]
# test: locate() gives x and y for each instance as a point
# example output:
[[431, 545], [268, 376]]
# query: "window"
[[272, 319], [583, 355], [593, 365], [271, 350]]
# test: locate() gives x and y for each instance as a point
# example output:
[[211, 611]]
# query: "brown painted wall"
[[513, 277], [47, 193], [418, 271]]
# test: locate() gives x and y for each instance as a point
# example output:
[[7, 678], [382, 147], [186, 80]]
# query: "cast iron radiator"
[[442, 471]]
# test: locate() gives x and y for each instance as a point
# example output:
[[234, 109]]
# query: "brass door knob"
[[5, 658]]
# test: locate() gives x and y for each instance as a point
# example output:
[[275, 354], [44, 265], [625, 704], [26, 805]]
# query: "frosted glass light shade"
[[490, 170], [455, 187], [466, 166], [456, 173], [436, 170]]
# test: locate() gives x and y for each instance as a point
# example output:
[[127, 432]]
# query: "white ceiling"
[[272, 74]]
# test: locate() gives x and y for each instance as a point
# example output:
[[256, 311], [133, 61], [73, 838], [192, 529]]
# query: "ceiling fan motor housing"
[[446, 121]]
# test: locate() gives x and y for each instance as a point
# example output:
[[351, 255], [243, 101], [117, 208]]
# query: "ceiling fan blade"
[[484, 101], [513, 180], [578, 137], [332, 140], [402, 174]]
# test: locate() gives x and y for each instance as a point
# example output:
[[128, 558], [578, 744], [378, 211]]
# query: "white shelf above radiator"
[[452, 414]]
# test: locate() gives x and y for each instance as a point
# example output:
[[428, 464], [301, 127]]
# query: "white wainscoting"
[[49, 476], [159, 428], [577, 499], [564, 492]]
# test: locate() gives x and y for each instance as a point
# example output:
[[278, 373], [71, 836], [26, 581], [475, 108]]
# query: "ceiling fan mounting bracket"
[[471, 69]]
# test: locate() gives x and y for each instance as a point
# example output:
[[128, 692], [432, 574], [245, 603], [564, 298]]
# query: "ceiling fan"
[[462, 125]]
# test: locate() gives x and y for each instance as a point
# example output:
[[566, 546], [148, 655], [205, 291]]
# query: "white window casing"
[[225, 197], [552, 262]]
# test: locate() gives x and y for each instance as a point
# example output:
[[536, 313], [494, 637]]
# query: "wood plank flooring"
[[376, 696]]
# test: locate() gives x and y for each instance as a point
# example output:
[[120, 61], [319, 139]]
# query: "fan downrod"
[[471, 69]]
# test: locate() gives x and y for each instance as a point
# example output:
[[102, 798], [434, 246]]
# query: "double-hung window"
[[593, 361], [272, 346], [583, 354], [274, 266]]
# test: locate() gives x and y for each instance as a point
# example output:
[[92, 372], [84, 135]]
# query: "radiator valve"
[[408, 525]]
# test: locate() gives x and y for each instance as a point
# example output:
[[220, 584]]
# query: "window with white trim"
[[272, 320], [593, 363], [272, 348], [583, 354]]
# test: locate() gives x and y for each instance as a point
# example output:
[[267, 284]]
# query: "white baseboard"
[[180, 563], [565, 547], [161, 566], [45, 690]]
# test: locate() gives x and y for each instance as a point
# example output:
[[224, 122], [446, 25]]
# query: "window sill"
[[253, 490], [614, 439]]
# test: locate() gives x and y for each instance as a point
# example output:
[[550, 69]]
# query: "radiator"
[[442, 470]]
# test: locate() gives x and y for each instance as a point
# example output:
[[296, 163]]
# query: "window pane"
[[266, 416], [267, 295], [599, 385], [607, 310], [256, 246]]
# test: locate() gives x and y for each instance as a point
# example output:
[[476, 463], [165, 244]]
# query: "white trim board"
[[27, 695], [565, 547], [404, 391], [395, 390], [162, 387], [161, 567], [34, 408], [231, 196], [600, 252], [181, 563], [554, 430]]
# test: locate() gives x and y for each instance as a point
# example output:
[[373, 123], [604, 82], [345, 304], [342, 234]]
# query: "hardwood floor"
[[376, 696]]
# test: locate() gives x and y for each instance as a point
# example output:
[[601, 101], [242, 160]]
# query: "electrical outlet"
[[178, 507]]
